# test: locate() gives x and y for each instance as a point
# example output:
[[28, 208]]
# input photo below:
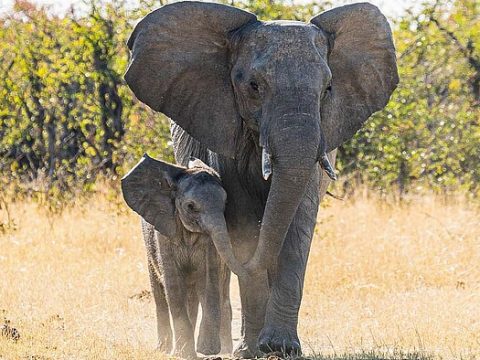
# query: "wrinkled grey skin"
[[183, 223], [289, 90]]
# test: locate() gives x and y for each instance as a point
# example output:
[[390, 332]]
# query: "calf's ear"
[[149, 190]]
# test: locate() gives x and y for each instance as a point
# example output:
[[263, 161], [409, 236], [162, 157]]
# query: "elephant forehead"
[[284, 36], [285, 23], [203, 190], [287, 30]]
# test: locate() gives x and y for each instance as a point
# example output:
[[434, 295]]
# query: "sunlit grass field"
[[385, 281]]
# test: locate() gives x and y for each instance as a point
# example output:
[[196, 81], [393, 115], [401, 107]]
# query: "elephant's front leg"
[[281, 320], [225, 311], [176, 294], [209, 293], [253, 295]]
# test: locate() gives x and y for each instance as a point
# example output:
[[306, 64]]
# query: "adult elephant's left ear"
[[363, 65], [180, 67]]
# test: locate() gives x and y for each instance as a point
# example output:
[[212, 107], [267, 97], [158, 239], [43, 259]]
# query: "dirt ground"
[[384, 281]]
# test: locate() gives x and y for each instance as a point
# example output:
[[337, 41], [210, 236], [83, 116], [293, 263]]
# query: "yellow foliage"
[[455, 85]]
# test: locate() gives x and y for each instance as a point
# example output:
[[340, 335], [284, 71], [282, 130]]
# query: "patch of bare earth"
[[384, 281]]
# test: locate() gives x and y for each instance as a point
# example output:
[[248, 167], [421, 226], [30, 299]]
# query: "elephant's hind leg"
[[164, 330]]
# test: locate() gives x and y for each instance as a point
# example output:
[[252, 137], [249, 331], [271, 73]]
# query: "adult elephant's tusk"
[[266, 164], [327, 167]]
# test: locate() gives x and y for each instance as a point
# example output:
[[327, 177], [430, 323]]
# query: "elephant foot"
[[208, 343], [226, 349], [184, 351], [246, 350], [164, 347], [226, 342], [279, 339], [189, 355], [208, 349]]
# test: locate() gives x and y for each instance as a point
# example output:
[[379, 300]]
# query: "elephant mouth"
[[267, 168]]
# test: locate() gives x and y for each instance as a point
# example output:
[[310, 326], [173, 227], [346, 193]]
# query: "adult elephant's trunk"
[[294, 143], [221, 240]]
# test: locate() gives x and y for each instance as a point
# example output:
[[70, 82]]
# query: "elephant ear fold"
[[180, 66], [363, 65], [149, 189]]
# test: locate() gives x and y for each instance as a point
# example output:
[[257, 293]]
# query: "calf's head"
[[168, 196]]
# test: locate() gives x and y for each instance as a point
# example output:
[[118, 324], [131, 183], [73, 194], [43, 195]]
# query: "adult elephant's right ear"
[[180, 67]]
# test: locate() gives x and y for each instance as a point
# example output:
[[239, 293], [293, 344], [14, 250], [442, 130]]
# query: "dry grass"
[[382, 279]]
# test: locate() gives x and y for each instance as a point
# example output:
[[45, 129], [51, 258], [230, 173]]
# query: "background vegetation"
[[385, 280], [67, 117]]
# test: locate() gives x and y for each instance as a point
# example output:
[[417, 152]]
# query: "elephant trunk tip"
[[222, 242]]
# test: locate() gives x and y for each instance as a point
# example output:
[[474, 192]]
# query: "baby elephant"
[[184, 231]]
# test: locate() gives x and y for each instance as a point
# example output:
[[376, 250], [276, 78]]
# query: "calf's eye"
[[191, 207], [328, 89]]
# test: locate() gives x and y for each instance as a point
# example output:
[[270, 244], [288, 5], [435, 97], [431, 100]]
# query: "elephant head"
[[168, 196], [301, 89]]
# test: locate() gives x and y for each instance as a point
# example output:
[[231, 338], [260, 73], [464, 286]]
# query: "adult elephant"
[[255, 99]]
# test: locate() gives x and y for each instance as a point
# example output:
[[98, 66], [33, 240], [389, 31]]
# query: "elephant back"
[[185, 146]]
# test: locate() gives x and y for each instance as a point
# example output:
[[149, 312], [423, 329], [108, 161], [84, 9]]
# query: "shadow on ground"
[[374, 356], [366, 355]]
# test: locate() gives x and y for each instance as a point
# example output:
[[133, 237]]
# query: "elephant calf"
[[184, 231]]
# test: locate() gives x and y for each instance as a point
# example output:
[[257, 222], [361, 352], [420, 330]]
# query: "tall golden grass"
[[383, 278]]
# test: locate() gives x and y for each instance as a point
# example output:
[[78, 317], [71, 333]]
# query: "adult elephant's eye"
[[239, 76], [254, 85]]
